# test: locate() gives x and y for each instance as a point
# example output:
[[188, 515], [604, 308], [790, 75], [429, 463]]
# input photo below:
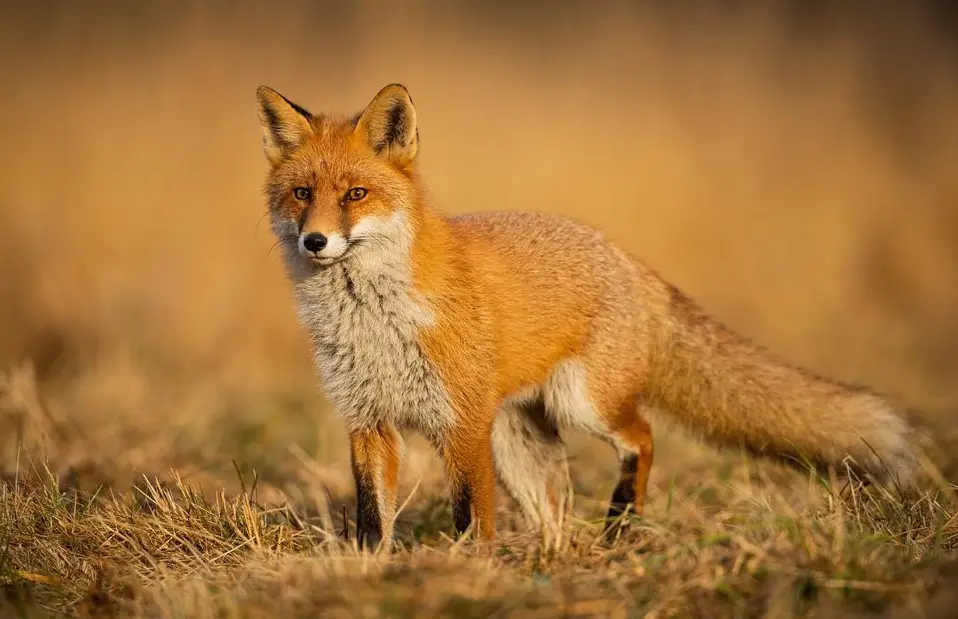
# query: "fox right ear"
[[285, 125]]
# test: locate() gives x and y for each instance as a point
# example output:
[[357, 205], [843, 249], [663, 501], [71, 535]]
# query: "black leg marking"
[[624, 494], [462, 507], [368, 526]]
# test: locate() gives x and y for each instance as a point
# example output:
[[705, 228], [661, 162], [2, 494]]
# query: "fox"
[[491, 333]]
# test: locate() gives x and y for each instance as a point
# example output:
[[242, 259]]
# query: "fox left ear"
[[389, 126], [285, 124]]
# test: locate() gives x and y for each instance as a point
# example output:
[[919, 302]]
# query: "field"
[[165, 449]]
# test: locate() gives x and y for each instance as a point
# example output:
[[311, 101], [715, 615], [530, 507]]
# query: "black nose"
[[314, 241]]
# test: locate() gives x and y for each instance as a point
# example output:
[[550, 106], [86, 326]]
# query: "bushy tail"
[[731, 392]]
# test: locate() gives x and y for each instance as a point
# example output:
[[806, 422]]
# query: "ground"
[[262, 532]]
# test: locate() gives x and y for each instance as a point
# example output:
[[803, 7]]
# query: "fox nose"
[[314, 242]]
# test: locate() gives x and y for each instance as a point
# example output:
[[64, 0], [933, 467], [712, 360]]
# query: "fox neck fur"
[[364, 315]]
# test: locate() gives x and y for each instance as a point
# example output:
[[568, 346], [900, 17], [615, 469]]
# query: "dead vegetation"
[[723, 538]]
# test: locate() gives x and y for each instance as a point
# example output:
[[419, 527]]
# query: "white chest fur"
[[364, 328]]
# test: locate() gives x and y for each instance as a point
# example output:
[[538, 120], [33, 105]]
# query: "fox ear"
[[285, 124], [389, 126]]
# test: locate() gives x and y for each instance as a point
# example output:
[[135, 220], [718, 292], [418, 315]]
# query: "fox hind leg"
[[633, 442], [609, 410], [531, 464]]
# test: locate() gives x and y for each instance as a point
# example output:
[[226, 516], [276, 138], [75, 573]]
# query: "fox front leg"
[[375, 455], [471, 470]]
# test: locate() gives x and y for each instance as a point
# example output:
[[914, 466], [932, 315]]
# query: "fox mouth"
[[325, 261]]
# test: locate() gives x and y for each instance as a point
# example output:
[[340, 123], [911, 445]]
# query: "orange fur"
[[536, 315]]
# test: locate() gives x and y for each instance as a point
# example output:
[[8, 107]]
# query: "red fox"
[[490, 332]]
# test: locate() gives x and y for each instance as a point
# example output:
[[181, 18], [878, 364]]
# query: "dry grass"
[[721, 540], [164, 449]]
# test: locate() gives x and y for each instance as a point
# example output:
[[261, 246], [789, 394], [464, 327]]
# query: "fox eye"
[[303, 193], [355, 194]]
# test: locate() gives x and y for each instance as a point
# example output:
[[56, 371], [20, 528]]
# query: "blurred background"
[[791, 165]]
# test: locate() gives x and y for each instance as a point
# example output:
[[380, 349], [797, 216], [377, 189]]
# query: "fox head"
[[341, 188]]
